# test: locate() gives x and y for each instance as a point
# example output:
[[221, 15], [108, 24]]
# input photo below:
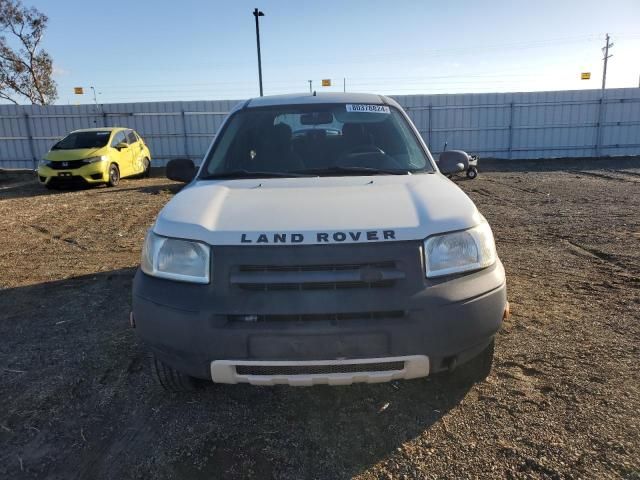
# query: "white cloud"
[[59, 71]]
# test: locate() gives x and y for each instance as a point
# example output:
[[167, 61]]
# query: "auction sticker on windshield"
[[368, 108]]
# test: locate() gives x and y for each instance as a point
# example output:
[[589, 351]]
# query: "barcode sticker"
[[358, 108]]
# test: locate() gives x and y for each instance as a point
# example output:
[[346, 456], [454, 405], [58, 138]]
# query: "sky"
[[203, 50]]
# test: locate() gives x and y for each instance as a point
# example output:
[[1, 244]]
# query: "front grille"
[[316, 277], [249, 318], [313, 268], [265, 287], [318, 369], [67, 165]]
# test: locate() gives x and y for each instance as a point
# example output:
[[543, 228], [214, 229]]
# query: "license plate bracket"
[[318, 346]]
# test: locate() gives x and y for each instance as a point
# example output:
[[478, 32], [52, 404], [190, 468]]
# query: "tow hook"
[[132, 320], [506, 315]]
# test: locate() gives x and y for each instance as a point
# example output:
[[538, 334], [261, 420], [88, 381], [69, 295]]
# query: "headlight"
[[101, 158], [462, 251], [176, 259], [43, 162]]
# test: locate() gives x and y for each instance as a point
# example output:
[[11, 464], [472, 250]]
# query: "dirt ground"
[[563, 401]]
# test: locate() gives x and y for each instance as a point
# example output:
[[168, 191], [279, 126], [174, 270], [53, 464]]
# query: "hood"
[[74, 154], [317, 210]]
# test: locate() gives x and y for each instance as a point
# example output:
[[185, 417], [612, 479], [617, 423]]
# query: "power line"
[[414, 83], [167, 87]]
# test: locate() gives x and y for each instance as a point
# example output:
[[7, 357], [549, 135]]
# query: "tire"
[[472, 173], [173, 381], [477, 369], [146, 172], [114, 175]]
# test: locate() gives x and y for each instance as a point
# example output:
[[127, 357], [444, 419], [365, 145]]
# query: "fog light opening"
[[450, 363]]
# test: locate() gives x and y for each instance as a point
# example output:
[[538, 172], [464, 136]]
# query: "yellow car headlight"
[[101, 158]]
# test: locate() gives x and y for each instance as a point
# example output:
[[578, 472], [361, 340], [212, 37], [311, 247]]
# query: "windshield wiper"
[[355, 170], [249, 174]]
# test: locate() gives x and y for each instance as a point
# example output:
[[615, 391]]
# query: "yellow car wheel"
[[114, 175], [146, 172]]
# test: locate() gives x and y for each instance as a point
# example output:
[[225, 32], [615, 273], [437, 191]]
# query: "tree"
[[25, 69]]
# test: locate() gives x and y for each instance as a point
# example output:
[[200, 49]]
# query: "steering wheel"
[[362, 149]]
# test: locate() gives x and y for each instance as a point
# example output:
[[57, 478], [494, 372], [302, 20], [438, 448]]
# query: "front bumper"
[[320, 372], [87, 174], [448, 321]]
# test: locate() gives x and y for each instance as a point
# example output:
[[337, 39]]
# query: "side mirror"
[[453, 161], [181, 170], [121, 145]]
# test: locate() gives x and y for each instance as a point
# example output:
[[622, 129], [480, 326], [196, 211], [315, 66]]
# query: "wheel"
[[114, 175], [472, 173], [477, 369], [146, 172], [172, 380], [48, 186]]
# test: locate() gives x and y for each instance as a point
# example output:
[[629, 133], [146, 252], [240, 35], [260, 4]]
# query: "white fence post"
[[32, 149]]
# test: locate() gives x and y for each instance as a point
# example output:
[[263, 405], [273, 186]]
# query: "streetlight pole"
[[257, 13], [95, 100]]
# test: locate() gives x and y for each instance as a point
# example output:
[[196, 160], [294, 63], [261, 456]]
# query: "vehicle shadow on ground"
[[29, 187], [315, 432], [20, 186], [76, 384], [172, 188]]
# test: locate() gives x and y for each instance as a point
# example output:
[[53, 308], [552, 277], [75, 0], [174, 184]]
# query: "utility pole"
[[344, 84], [257, 13], [605, 50], [310, 86], [601, 107]]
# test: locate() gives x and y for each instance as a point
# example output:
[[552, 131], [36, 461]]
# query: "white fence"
[[500, 125]]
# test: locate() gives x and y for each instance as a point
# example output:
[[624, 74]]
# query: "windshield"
[[316, 139], [95, 139]]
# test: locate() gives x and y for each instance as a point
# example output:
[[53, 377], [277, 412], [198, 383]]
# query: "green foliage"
[[25, 68]]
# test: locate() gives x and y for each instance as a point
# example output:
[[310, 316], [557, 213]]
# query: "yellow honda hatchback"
[[95, 156]]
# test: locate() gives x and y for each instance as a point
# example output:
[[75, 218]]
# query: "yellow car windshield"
[[95, 139]]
